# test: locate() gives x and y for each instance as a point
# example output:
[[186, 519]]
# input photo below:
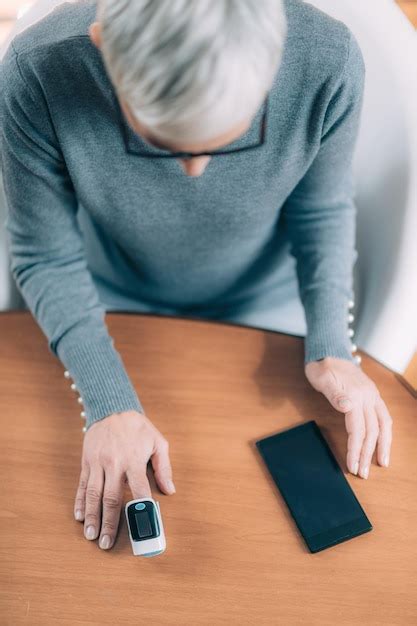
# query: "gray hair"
[[192, 69]]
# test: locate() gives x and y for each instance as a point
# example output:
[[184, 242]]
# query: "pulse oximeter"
[[146, 531]]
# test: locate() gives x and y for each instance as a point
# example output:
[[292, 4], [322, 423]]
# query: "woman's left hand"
[[367, 419]]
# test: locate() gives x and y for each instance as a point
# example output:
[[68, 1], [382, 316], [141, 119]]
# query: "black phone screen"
[[313, 485]]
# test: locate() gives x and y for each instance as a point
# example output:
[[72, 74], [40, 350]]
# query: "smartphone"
[[319, 497]]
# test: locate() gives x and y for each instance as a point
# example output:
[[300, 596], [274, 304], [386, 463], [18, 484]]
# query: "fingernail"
[[385, 460], [171, 486], [90, 532], [344, 402], [78, 514], [365, 472], [355, 469], [105, 542]]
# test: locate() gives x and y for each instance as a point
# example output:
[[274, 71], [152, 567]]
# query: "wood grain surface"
[[234, 554], [410, 9]]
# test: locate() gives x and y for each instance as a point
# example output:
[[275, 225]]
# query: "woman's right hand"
[[116, 450]]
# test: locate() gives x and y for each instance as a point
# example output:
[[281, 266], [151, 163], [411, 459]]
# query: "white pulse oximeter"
[[146, 531]]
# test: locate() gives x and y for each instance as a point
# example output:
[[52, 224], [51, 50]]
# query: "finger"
[[385, 432], [112, 504], [162, 467], [335, 394], [93, 502], [138, 482], [340, 400], [79, 505], [355, 427], [368, 446]]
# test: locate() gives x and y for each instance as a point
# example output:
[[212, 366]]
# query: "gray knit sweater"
[[176, 243]]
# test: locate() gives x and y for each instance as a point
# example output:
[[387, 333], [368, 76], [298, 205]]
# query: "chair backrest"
[[10, 296], [385, 166], [35, 13]]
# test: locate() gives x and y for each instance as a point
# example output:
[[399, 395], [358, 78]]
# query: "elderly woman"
[[198, 147]]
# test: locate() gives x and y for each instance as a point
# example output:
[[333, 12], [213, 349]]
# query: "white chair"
[[385, 166], [385, 274], [10, 296]]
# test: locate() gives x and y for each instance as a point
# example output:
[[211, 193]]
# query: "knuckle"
[[355, 448], [93, 494], [111, 500], [82, 484], [336, 397], [109, 527], [367, 451], [360, 435], [372, 431], [369, 444], [363, 458], [91, 517], [107, 459]]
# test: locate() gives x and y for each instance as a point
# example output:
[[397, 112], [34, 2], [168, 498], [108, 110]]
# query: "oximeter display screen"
[[143, 524], [143, 521]]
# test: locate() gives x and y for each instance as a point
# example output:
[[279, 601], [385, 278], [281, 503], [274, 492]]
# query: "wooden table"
[[410, 9], [212, 389]]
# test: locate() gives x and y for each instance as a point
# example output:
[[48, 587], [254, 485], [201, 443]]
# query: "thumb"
[[329, 386], [338, 398], [162, 468]]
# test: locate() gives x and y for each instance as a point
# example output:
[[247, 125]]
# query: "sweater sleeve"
[[46, 247], [320, 215]]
